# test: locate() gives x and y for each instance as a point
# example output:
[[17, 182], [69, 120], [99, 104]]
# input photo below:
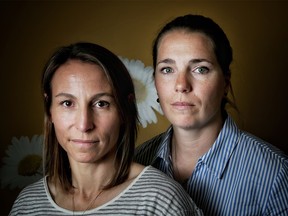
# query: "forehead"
[[76, 72], [182, 42], [78, 68], [184, 35]]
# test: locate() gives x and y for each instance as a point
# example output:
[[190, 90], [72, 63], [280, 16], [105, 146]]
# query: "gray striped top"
[[151, 193]]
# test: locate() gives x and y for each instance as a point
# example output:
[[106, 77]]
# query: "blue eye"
[[201, 70], [167, 70]]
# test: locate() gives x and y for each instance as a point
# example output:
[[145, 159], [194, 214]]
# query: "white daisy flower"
[[145, 90], [23, 164]]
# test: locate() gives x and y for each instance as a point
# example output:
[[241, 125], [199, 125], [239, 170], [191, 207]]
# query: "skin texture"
[[189, 81], [83, 112], [87, 124], [190, 86]]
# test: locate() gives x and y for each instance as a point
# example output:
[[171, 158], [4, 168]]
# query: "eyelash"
[[206, 70], [163, 70], [196, 70], [64, 103], [98, 104], [101, 104]]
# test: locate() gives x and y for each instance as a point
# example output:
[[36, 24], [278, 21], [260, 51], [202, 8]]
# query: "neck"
[[91, 178], [89, 181], [188, 145], [196, 142]]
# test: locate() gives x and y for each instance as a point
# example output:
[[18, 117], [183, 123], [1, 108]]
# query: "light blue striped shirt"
[[240, 175]]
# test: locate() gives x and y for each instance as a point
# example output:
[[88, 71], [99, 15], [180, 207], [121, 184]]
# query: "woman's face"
[[83, 112], [189, 80]]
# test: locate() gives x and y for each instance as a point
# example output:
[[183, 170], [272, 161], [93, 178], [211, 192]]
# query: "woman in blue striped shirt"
[[225, 170]]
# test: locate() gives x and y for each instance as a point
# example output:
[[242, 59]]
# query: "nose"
[[183, 83], [85, 120]]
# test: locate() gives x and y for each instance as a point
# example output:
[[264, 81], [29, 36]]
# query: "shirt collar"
[[218, 156], [163, 151]]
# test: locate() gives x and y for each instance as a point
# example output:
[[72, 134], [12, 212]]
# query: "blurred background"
[[31, 30]]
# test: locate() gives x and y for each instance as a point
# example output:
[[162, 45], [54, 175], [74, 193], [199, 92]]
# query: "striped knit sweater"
[[151, 193]]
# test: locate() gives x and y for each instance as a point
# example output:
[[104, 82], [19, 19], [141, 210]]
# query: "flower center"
[[141, 92], [29, 165]]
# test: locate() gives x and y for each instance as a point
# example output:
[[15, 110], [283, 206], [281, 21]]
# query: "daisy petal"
[[22, 166], [144, 89]]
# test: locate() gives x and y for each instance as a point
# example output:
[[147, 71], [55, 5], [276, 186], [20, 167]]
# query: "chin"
[[184, 125], [86, 159]]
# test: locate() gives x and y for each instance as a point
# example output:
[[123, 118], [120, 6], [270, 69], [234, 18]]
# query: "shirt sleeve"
[[278, 199]]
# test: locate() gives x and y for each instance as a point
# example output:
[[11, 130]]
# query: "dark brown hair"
[[222, 48], [56, 163]]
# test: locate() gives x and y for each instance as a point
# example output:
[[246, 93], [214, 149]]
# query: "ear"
[[45, 97], [50, 118], [49, 113], [131, 97], [227, 79]]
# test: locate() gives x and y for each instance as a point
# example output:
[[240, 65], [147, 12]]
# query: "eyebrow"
[[193, 61], [99, 95], [200, 60], [167, 61]]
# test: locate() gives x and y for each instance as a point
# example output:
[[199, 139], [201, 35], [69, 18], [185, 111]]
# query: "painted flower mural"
[[146, 95], [23, 163]]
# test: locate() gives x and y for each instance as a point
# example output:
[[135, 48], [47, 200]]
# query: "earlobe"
[[45, 97], [49, 118], [48, 114], [131, 97], [226, 90], [227, 84]]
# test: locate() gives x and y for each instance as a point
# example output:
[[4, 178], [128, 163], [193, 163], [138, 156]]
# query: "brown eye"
[[67, 103], [102, 104]]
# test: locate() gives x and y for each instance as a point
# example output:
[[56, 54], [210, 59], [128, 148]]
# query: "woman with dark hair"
[[89, 139], [225, 170]]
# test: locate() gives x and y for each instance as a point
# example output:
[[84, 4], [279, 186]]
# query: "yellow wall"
[[31, 30]]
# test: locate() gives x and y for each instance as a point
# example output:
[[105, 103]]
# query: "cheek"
[[111, 132], [212, 94], [59, 127], [61, 135], [116, 126], [60, 122], [163, 87]]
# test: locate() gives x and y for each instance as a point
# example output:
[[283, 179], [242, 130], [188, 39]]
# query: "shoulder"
[[165, 191], [248, 145], [33, 190], [261, 156], [135, 170], [270, 165], [152, 193], [257, 147], [30, 198], [153, 173], [154, 180]]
